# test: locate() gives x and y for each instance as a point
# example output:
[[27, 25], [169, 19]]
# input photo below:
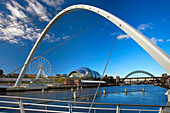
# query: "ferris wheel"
[[41, 67]]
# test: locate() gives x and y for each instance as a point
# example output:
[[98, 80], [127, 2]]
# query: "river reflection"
[[153, 95]]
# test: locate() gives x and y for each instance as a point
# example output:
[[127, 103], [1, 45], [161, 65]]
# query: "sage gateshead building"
[[84, 73]]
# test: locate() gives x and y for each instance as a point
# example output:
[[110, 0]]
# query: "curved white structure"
[[158, 54], [40, 66]]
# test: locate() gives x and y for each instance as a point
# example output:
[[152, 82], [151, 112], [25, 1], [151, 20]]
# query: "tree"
[[1, 72], [60, 80]]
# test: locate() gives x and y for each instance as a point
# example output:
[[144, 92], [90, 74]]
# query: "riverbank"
[[46, 87], [165, 86]]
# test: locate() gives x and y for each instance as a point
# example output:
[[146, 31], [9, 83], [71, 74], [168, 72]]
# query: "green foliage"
[[60, 80]]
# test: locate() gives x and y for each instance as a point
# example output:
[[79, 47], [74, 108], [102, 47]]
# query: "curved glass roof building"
[[84, 73]]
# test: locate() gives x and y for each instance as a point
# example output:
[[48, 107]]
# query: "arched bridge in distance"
[[139, 71]]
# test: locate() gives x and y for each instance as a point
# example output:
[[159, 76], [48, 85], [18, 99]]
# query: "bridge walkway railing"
[[55, 106]]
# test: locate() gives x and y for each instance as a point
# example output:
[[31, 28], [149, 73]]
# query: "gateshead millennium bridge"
[[158, 54]]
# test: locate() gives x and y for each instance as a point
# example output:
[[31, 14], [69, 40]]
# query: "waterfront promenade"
[[114, 94]]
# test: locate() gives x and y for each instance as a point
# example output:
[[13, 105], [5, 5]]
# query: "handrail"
[[40, 99], [22, 106], [38, 110]]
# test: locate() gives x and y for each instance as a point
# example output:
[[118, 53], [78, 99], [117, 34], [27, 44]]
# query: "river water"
[[153, 95]]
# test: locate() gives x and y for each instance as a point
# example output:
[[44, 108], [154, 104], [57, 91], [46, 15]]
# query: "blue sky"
[[90, 49]]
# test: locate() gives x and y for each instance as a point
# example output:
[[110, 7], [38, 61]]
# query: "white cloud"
[[16, 4], [106, 23], [15, 11], [65, 37], [18, 14], [165, 19], [114, 33], [35, 7], [154, 40], [51, 38], [168, 40], [53, 3], [145, 26], [123, 37], [141, 27]]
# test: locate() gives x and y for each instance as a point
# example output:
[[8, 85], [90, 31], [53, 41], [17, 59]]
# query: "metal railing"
[[70, 106]]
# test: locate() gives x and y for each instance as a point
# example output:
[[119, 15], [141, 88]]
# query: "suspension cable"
[[41, 29], [58, 45], [29, 22], [71, 38], [33, 16], [20, 36], [40, 20], [103, 72]]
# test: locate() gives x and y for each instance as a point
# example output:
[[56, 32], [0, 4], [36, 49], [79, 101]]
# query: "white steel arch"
[[158, 54]]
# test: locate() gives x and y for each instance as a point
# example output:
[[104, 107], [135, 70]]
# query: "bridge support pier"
[[168, 93]]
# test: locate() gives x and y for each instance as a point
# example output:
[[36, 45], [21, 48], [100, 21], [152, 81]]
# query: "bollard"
[[43, 91], [125, 94], [125, 90], [104, 95], [104, 91], [143, 89], [77, 87], [71, 89], [74, 95], [81, 87]]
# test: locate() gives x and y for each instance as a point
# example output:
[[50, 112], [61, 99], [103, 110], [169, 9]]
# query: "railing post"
[[21, 106], [118, 109], [70, 107], [94, 110], [161, 110]]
